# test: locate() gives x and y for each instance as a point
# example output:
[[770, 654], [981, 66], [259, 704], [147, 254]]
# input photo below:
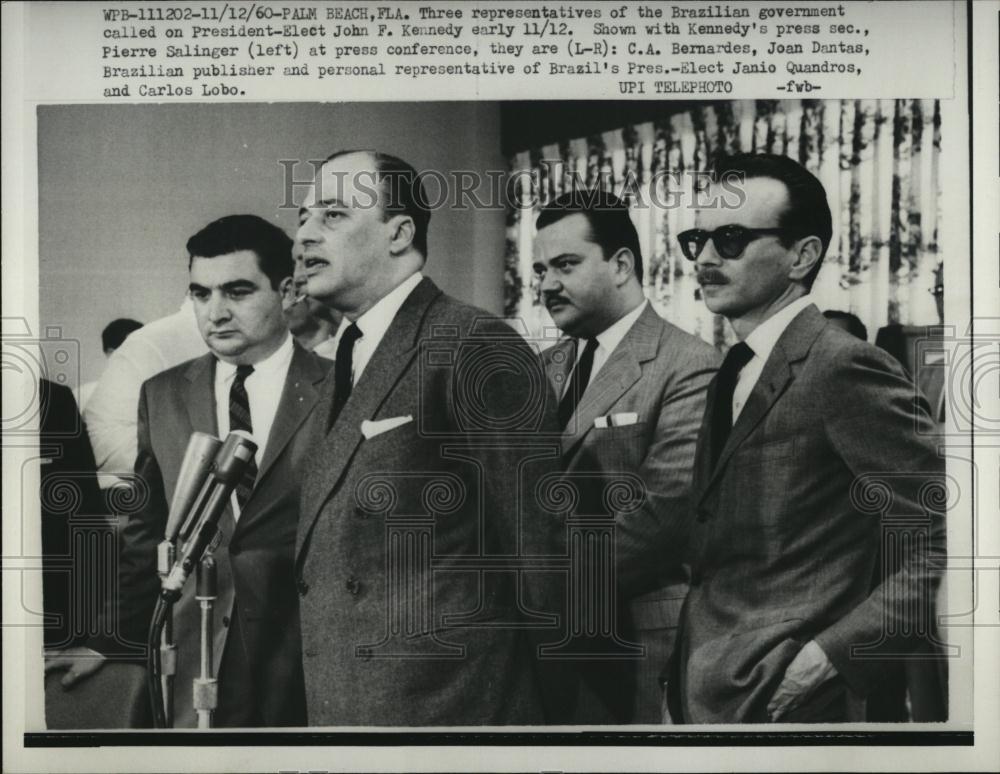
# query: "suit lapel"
[[200, 398], [390, 360], [791, 347], [298, 397], [618, 374]]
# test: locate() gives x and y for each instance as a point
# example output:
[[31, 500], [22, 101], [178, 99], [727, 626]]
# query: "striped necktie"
[[239, 419]]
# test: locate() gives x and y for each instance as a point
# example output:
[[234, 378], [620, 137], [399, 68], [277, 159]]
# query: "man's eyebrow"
[[236, 284], [335, 202]]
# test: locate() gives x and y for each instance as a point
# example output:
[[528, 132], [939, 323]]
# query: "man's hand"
[[78, 662], [808, 670]]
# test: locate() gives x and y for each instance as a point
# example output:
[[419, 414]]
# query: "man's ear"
[[287, 289], [808, 252], [623, 263], [401, 233]]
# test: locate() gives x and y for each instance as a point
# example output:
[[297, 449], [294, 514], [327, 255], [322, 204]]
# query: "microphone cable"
[[153, 666]]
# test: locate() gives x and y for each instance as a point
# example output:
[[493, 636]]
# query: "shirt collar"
[[267, 367], [376, 321], [612, 336], [764, 337]]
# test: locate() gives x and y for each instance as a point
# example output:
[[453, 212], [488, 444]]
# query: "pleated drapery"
[[879, 161]]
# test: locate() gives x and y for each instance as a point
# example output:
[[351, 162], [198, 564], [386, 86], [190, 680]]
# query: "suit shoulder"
[[677, 342], [836, 350], [854, 375], [168, 379], [470, 320]]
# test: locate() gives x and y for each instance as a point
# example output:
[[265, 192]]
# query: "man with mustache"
[[632, 392], [430, 439], [807, 427]]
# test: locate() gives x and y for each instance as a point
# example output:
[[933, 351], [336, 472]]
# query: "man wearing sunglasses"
[[632, 391], [806, 427]]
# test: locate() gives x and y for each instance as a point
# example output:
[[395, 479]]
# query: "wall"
[[121, 188]]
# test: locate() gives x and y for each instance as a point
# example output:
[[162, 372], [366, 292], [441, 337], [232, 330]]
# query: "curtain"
[[878, 160]]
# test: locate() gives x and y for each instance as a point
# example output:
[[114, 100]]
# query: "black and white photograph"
[[605, 431]]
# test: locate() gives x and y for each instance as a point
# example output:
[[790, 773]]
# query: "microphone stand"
[[165, 557], [206, 688]]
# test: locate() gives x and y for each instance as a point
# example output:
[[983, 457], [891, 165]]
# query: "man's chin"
[[563, 319], [226, 350]]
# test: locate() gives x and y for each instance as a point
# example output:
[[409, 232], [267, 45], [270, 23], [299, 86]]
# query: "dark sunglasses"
[[730, 241]]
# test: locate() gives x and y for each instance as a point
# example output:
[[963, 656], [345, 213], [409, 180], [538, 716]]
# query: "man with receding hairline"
[[415, 408], [781, 623]]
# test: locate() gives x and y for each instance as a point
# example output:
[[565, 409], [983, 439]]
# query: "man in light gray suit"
[[813, 443], [419, 497], [632, 393]]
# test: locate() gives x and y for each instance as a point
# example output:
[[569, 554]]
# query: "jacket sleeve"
[[137, 585], [882, 430], [655, 535]]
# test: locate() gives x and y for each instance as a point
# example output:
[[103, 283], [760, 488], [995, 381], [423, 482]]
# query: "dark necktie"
[[725, 384], [239, 419], [343, 371], [577, 383]]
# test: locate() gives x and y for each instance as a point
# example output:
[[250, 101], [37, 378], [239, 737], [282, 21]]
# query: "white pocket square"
[[370, 428], [617, 420]]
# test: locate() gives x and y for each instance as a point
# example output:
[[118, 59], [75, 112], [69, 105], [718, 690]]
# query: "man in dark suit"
[[813, 443], [256, 379], [632, 389], [70, 501], [419, 496]]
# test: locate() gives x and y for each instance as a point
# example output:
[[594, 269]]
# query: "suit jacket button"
[[353, 585], [225, 620], [302, 587]]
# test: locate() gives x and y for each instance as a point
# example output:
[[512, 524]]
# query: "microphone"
[[195, 468], [230, 464]]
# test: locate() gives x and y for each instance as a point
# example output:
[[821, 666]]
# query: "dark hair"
[[402, 192], [808, 212], [116, 331], [233, 233], [854, 325], [611, 226]]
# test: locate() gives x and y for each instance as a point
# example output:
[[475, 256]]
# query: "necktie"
[[343, 371], [577, 383], [725, 384], [239, 419]]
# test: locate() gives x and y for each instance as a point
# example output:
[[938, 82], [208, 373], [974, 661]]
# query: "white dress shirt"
[[375, 322], [607, 341], [264, 387], [762, 340], [112, 411], [327, 348]]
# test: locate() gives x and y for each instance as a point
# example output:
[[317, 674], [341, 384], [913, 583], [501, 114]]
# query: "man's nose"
[[708, 256], [550, 283], [308, 232], [218, 308]]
